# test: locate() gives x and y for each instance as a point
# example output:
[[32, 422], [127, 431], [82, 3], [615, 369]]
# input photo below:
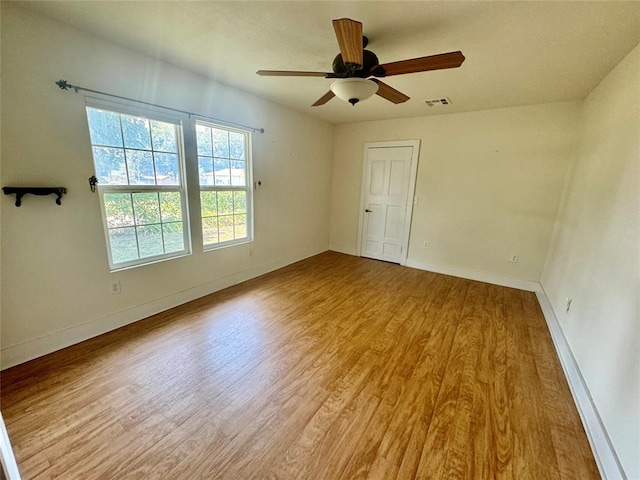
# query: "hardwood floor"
[[333, 368]]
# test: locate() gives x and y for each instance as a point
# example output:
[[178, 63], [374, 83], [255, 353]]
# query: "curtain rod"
[[64, 85]]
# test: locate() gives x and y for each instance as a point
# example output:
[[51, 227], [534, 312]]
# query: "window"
[[225, 196], [142, 171], [139, 162]]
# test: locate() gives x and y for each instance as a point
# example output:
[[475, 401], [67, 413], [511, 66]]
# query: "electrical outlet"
[[114, 288], [569, 301], [514, 258], [427, 245]]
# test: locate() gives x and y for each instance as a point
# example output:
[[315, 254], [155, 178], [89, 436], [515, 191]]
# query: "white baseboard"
[[603, 451], [37, 347], [346, 251], [520, 284]]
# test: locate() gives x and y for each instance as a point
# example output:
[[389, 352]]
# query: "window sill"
[[222, 245]]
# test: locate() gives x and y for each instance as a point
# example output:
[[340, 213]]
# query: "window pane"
[[163, 136], [210, 230], [240, 226], [173, 237], [225, 224], [239, 202], [118, 208], [124, 246], [150, 240], [110, 168], [236, 143], [204, 141], [208, 205], [237, 173], [220, 143], [146, 208], [222, 171], [136, 132], [140, 167], [170, 206], [167, 169], [225, 203], [104, 127], [206, 170]]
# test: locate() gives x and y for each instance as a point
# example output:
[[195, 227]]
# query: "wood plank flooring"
[[336, 367]]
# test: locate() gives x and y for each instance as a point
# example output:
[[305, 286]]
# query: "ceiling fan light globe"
[[354, 90]]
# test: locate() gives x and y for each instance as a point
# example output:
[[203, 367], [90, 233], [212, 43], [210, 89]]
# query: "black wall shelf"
[[22, 191]]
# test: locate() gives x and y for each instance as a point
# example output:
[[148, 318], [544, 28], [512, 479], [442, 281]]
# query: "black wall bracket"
[[22, 191]]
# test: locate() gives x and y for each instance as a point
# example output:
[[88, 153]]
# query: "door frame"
[[411, 191]]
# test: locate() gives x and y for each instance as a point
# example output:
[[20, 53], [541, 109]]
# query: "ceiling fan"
[[353, 67]]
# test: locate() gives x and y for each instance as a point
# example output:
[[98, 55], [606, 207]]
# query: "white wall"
[[54, 265], [488, 185], [595, 257]]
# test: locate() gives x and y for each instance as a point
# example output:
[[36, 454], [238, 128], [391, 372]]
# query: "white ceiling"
[[517, 53]]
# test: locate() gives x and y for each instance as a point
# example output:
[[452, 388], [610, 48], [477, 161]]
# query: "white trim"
[[8, 460], [37, 347], [346, 250], [504, 281], [603, 451], [411, 191]]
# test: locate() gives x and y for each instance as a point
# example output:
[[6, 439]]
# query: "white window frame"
[[247, 188], [101, 189]]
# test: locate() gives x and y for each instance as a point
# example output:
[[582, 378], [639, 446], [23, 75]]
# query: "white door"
[[388, 181]]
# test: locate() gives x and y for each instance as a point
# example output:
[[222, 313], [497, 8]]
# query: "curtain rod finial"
[[63, 84]]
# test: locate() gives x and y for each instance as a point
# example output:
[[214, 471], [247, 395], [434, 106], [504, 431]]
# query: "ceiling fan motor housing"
[[369, 60]]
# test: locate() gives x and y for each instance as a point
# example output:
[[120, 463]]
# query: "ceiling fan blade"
[[389, 93], [324, 99], [292, 73], [422, 64], [349, 35]]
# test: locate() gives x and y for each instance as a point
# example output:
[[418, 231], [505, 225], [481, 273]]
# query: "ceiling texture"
[[517, 53]]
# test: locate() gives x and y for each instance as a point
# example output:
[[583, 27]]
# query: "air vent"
[[438, 101]]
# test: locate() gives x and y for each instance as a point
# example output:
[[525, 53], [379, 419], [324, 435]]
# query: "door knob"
[[367, 210]]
